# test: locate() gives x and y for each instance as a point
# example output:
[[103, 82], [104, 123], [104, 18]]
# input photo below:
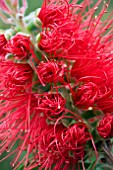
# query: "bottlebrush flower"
[[65, 31], [50, 72], [65, 36], [20, 47], [90, 94], [59, 41], [3, 42], [79, 36], [75, 139], [51, 104], [53, 13], [93, 84], [62, 147], [105, 127], [17, 79], [48, 153], [17, 125], [88, 69], [86, 95]]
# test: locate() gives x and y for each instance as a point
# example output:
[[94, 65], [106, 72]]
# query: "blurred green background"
[[32, 5]]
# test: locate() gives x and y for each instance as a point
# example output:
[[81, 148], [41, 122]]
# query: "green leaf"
[[102, 167], [90, 114], [91, 165]]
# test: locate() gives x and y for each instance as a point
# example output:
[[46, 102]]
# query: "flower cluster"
[[49, 86]]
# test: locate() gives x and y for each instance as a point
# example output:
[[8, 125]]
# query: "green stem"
[[108, 153]]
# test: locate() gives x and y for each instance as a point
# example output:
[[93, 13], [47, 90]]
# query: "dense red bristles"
[[17, 79], [55, 148], [42, 100], [52, 14], [85, 33]]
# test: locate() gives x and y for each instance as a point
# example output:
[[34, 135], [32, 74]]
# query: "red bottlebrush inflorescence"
[[60, 146], [59, 41], [105, 127], [49, 153], [47, 88]]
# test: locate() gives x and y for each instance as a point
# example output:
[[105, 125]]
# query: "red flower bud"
[[49, 154], [62, 146], [86, 95], [49, 72], [105, 127], [20, 46], [75, 139], [60, 41], [52, 14], [52, 105], [17, 78], [3, 42]]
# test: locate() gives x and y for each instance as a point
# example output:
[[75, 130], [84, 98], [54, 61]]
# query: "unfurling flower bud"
[[76, 137], [50, 72], [3, 42], [17, 78], [52, 105], [63, 145], [20, 46], [105, 127], [53, 14], [86, 95]]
